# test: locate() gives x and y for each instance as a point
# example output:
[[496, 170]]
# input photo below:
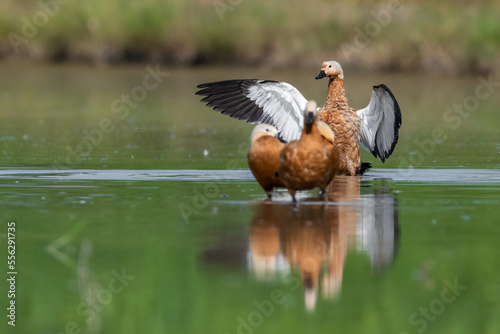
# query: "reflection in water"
[[315, 237]]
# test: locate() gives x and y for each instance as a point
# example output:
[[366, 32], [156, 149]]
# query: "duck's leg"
[[269, 193], [323, 194]]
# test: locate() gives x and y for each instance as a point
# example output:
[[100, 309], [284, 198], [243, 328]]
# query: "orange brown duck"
[[374, 128], [329, 140], [264, 157], [310, 161]]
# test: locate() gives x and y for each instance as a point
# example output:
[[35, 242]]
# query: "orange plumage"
[[264, 157], [308, 162], [329, 140], [343, 119]]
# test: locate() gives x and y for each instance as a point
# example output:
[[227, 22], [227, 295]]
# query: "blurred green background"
[[401, 34], [48, 111], [64, 64]]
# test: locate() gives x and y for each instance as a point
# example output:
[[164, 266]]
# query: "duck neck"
[[336, 93], [308, 128], [310, 131]]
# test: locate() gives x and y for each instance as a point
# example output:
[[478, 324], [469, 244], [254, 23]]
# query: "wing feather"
[[258, 101], [380, 123]]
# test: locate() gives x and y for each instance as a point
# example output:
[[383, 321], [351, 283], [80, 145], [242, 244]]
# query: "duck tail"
[[365, 166]]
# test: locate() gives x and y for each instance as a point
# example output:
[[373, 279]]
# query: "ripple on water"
[[448, 176]]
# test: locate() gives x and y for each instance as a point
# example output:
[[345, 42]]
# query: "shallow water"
[[441, 176], [159, 227]]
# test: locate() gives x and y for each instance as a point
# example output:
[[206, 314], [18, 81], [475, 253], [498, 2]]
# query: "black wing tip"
[[225, 86], [208, 88], [220, 82], [228, 82], [398, 120], [383, 86], [202, 92], [397, 109], [229, 98], [383, 156]]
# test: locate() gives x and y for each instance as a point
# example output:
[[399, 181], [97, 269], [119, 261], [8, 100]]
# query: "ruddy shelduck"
[[308, 162], [374, 128], [264, 157], [329, 140]]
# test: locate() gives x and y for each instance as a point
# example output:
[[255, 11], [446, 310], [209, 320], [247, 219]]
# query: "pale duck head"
[[263, 130], [331, 69]]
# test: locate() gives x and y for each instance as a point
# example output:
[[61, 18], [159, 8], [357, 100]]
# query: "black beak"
[[321, 75], [310, 117], [281, 139]]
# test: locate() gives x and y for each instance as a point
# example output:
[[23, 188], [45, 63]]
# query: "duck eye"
[[267, 129], [330, 66]]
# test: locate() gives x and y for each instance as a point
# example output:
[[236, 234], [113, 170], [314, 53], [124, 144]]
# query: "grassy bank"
[[371, 34]]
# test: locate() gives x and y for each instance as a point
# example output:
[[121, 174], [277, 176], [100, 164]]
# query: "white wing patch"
[[258, 101], [380, 122], [283, 104]]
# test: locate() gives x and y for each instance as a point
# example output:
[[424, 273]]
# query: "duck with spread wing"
[[374, 128]]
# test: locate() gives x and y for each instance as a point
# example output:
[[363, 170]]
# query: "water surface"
[[159, 227]]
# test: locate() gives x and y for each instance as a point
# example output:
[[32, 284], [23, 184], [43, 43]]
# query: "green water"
[[144, 230]]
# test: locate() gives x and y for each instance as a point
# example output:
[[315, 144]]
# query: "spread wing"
[[380, 123], [258, 101]]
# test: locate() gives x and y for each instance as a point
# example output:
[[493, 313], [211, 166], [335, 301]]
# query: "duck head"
[[263, 130], [310, 115], [331, 69]]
